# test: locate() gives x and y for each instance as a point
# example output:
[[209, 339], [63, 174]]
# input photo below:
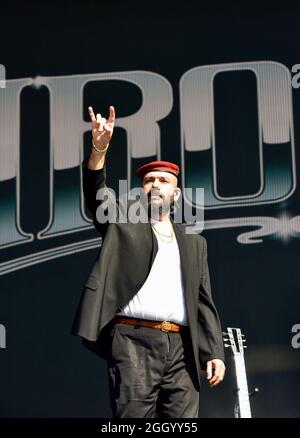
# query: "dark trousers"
[[151, 373]]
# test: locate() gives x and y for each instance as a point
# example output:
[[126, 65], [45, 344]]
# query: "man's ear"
[[177, 193]]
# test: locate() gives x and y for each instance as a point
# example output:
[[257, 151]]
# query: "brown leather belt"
[[165, 326]]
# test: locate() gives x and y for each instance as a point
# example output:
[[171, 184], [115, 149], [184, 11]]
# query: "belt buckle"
[[166, 326]]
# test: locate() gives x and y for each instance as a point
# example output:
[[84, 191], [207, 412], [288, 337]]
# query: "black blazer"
[[122, 266]]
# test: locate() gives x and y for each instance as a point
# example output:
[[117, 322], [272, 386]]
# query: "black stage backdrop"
[[214, 89]]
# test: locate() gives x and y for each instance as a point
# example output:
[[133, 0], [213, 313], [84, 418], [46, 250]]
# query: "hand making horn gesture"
[[102, 129]]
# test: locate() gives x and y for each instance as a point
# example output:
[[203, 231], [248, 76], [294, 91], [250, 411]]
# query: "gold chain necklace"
[[165, 235]]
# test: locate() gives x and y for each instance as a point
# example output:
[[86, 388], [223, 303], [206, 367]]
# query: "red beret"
[[162, 166]]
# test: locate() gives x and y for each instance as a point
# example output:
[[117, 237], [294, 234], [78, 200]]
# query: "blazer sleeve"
[[210, 332], [94, 181]]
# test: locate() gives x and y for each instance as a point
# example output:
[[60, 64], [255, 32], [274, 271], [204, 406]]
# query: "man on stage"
[[147, 307]]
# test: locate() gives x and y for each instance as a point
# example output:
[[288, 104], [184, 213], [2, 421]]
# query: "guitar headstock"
[[235, 340]]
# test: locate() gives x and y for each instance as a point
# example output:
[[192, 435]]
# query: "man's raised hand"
[[102, 129]]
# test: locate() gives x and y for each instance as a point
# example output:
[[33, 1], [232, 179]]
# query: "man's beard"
[[159, 208]]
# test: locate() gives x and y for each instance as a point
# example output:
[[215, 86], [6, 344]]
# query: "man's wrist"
[[99, 149], [96, 160], [96, 155]]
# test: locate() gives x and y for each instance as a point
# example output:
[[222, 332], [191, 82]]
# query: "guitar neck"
[[242, 385]]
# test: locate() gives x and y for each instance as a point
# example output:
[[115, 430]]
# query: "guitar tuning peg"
[[245, 346], [244, 340], [224, 333], [225, 339], [227, 345]]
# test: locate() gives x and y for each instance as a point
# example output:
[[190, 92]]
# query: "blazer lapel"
[[183, 251], [154, 245], [187, 274]]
